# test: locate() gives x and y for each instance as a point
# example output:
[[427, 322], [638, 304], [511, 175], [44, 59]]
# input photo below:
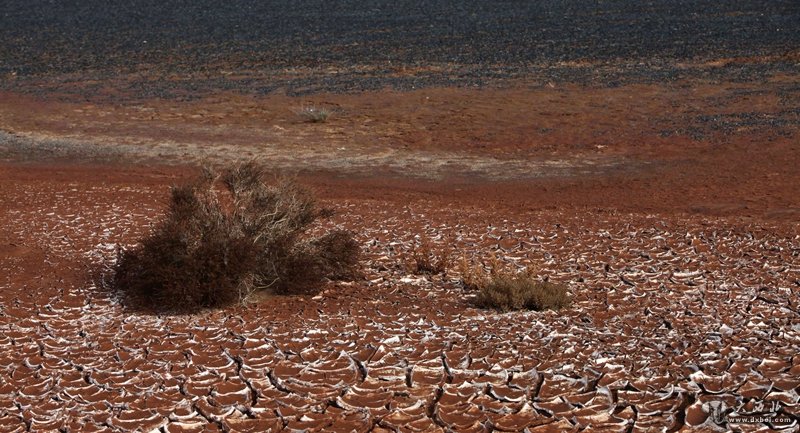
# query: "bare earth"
[[645, 154], [670, 211]]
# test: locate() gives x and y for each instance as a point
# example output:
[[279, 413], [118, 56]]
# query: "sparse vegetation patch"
[[314, 114], [427, 260], [505, 289]]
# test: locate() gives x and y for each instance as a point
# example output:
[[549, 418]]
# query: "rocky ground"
[[179, 48]]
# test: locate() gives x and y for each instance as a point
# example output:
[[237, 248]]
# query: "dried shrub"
[[508, 292], [472, 275], [504, 289], [314, 114], [426, 260], [229, 235]]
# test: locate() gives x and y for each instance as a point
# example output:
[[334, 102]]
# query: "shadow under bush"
[[229, 235]]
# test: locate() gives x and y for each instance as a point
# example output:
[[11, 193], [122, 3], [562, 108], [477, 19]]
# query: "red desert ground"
[[645, 156]]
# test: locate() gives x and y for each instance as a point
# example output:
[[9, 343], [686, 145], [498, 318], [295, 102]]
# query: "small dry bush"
[[314, 114], [228, 235], [427, 260], [504, 289]]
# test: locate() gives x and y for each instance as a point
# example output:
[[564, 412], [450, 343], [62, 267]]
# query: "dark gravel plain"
[[176, 47]]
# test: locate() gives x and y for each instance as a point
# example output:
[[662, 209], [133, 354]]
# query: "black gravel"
[[305, 45]]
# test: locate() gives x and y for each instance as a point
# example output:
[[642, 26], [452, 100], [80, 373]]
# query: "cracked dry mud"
[[645, 154], [673, 318]]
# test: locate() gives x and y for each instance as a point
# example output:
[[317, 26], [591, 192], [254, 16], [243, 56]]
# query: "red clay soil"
[[678, 241], [649, 120]]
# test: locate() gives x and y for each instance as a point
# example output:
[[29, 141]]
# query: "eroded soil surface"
[[670, 211], [724, 148], [645, 154], [674, 317]]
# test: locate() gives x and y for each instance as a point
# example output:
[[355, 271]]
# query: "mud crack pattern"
[[674, 319]]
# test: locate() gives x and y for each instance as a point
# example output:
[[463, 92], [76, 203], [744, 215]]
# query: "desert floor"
[[665, 194]]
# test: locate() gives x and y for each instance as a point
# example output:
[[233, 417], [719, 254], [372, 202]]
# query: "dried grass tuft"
[[314, 114], [428, 260], [505, 289]]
